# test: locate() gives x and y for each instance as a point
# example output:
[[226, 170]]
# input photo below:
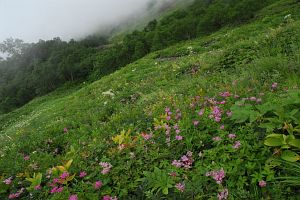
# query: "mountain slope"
[[79, 125]]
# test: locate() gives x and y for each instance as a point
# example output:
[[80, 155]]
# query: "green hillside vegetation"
[[216, 117], [37, 69]]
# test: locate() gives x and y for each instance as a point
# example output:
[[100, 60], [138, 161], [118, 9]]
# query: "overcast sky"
[[31, 20]]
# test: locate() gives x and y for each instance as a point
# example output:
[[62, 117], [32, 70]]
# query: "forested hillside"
[[37, 69], [200, 104]]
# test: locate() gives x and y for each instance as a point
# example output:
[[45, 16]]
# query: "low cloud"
[[31, 20]]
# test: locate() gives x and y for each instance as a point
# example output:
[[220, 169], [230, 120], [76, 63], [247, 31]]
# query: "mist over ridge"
[[33, 19]]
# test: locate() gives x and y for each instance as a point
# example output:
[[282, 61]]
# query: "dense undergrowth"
[[193, 121]]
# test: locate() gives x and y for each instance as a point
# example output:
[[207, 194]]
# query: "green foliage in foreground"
[[187, 122]]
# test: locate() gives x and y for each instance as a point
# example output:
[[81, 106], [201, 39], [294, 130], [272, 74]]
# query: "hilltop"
[[205, 118]]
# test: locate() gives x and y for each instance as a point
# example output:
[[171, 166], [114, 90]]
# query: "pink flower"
[[217, 138], [106, 167], [196, 123], [262, 183], [236, 96], [66, 130], [217, 175], [201, 112], [225, 94], [178, 137], [222, 127], [64, 175], [259, 100], [168, 118], [98, 185], [8, 181], [274, 86], [73, 197], [57, 190], [82, 174], [229, 113], [237, 144], [13, 196], [38, 187], [56, 180], [27, 157], [176, 127], [146, 136], [231, 136], [167, 109], [107, 197], [177, 131], [180, 187], [176, 163], [223, 194]]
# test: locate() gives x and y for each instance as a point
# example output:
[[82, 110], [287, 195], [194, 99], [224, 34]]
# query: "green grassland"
[[105, 121]]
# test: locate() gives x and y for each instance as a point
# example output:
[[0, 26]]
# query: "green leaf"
[[295, 143], [274, 140], [165, 191], [290, 156]]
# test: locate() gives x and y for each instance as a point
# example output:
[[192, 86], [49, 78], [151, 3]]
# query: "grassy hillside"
[[187, 122]]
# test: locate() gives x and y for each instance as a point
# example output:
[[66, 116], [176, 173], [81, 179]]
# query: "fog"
[[31, 20]]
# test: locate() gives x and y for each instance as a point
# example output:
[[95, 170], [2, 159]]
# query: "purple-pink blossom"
[[201, 112], [178, 137], [225, 94], [107, 197], [38, 187], [82, 174], [217, 175], [223, 194], [231, 136], [26, 157], [8, 181], [73, 197], [147, 136], [56, 190], [237, 144], [64, 175], [274, 86], [185, 161], [66, 130], [106, 167], [196, 123], [180, 187], [98, 185], [262, 183], [217, 138]]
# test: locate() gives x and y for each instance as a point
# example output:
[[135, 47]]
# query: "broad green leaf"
[[165, 191], [290, 156], [274, 140], [295, 143]]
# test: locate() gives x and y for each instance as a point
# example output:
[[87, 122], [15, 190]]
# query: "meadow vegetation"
[[215, 117]]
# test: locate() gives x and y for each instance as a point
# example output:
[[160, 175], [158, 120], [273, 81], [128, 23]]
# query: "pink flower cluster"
[[180, 187], [186, 161], [147, 136], [73, 197], [216, 114], [225, 94], [57, 189], [231, 136], [237, 144], [8, 181], [107, 197], [82, 174], [98, 185], [262, 183], [58, 182], [106, 167], [223, 194], [217, 175], [16, 195]]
